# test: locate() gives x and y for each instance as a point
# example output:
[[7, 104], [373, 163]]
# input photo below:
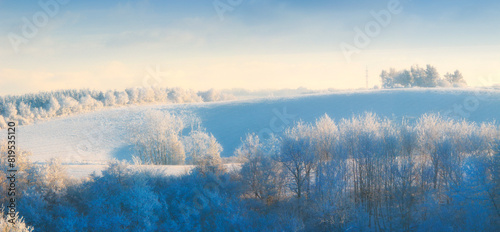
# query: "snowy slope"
[[94, 138]]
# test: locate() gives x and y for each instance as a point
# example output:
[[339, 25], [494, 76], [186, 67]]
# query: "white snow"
[[86, 142], [85, 170]]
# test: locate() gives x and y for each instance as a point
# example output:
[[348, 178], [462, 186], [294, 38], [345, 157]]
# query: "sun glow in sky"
[[253, 44]]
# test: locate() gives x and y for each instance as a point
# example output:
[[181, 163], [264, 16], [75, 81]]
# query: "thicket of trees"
[[370, 174], [162, 138], [363, 174], [27, 108], [420, 77]]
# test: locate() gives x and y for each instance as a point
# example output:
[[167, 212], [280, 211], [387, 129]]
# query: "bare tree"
[[297, 157]]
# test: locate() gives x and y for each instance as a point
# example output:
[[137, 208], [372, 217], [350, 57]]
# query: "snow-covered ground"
[[85, 170], [87, 141]]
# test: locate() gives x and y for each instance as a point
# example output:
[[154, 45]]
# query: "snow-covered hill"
[[94, 138]]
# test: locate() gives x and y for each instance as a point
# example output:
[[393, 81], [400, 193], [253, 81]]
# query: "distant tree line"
[[420, 77], [27, 108]]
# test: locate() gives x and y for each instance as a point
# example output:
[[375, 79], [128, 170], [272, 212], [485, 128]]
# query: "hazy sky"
[[240, 43]]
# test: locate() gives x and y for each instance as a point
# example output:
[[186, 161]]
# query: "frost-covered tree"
[[24, 168], [260, 172], [330, 204], [16, 225], [250, 147], [432, 76], [69, 105], [53, 106], [178, 95], [88, 103], [157, 139], [133, 95], [114, 200], [10, 110], [122, 98], [325, 133], [110, 99], [376, 175], [160, 139], [405, 78], [456, 79], [25, 110], [146, 95], [388, 78], [3, 123], [419, 77], [297, 156], [54, 178], [210, 95], [160, 95], [215, 95], [204, 151]]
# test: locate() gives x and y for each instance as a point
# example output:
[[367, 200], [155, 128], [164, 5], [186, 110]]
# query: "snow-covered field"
[[84, 170], [85, 142]]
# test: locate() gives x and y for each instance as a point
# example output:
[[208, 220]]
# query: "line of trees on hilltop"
[[419, 77], [27, 108]]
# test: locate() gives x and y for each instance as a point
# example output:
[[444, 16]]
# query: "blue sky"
[[258, 44]]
